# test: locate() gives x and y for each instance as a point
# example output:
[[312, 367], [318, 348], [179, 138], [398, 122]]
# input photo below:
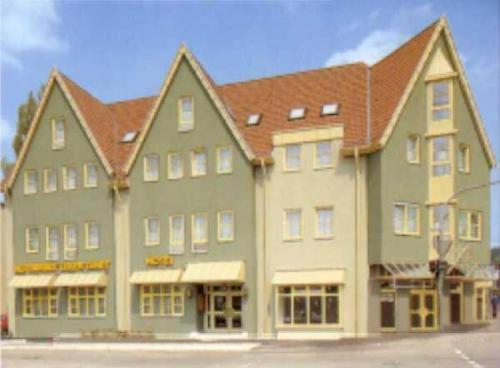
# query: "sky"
[[123, 49]]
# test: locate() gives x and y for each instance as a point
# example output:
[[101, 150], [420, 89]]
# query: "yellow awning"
[[32, 281], [212, 272], [81, 279], [308, 277], [169, 276]]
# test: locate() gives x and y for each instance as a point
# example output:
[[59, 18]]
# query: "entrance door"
[[455, 312], [423, 308], [388, 310], [223, 307]]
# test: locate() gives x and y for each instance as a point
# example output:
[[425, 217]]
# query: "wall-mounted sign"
[[159, 260], [62, 266]]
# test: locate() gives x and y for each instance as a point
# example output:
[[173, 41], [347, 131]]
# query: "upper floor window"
[[198, 162], [176, 231], [69, 178], [441, 102], [293, 224], [292, 157], [32, 241], [225, 226], [199, 234], [323, 155], [49, 180], [413, 149], [52, 243], [406, 218], [151, 167], [469, 225], [441, 164], [92, 235], [175, 167], [90, 175], [224, 160], [186, 113], [324, 222], [464, 158], [30, 182], [58, 133], [152, 225], [70, 241], [440, 220]]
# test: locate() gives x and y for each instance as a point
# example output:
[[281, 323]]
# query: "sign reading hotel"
[[159, 261], [62, 266]]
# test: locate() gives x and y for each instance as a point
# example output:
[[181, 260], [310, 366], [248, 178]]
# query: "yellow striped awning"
[[308, 277], [169, 276], [212, 272], [81, 279], [32, 281]]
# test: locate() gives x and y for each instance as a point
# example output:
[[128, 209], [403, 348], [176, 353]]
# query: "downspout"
[[264, 237], [356, 237]]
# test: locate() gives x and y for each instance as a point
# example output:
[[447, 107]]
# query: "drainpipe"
[[264, 248], [357, 236]]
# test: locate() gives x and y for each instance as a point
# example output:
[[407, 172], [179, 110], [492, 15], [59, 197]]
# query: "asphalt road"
[[476, 349]]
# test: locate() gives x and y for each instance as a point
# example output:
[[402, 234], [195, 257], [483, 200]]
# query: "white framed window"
[[151, 167], [253, 119], [225, 226], [440, 219], [177, 234], [152, 231], [292, 224], [162, 300], [89, 175], [32, 239], [199, 233], [292, 159], [413, 149], [323, 155], [441, 164], [40, 302], [198, 162], [441, 100], [297, 113], [52, 239], [49, 180], [92, 235], [69, 177], [464, 158], [224, 160], [406, 218], [324, 222], [175, 166], [469, 225], [330, 109], [186, 113], [70, 241], [58, 133], [87, 302], [30, 182]]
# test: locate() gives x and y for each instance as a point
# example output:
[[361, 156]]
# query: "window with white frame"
[[413, 149], [69, 178], [225, 226], [32, 239], [70, 241], [469, 225], [151, 167], [308, 305], [162, 300], [90, 175], [441, 102], [175, 167], [323, 154], [86, 302], [52, 243], [49, 180], [464, 158], [92, 236], [324, 222], [198, 162], [58, 133], [176, 231], [40, 302], [406, 218], [199, 233], [224, 160], [186, 113], [292, 157], [152, 231], [30, 182], [293, 224], [441, 164]]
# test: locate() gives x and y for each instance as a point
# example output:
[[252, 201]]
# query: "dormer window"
[[297, 113], [129, 137], [58, 133], [253, 119], [330, 109]]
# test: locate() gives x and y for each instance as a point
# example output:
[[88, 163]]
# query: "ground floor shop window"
[[162, 300], [481, 303], [388, 310], [223, 304], [314, 305], [423, 309], [40, 302], [86, 302]]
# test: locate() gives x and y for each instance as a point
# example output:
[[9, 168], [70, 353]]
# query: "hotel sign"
[[159, 260], [62, 266]]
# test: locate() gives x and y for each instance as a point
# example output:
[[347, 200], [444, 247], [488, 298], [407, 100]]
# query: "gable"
[[439, 64]]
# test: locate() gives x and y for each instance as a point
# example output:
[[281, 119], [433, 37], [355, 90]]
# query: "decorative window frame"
[[46, 180], [450, 104], [192, 155], [65, 242], [147, 177], [26, 181], [57, 145], [87, 235], [169, 166], [449, 161], [47, 241], [199, 241], [27, 239], [65, 178]]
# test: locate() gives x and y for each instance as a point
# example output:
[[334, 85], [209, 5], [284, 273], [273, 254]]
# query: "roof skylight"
[[297, 113], [129, 137], [330, 109], [253, 119]]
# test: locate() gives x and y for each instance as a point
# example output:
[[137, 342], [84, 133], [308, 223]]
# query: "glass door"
[[223, 307], [423, 310]]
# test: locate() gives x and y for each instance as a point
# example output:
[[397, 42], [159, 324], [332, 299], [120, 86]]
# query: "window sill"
[[174, 178], [224, 172], [30, 194], [291, 170], [292, 240], [320, 168], [151, 180], [470, 239], [416, 163], [194, 176], [415, 235], [151, 245], [161, 316], [327, 237], [225, 241], [466, 172], [86, 318], [90, 186], [308, 326]]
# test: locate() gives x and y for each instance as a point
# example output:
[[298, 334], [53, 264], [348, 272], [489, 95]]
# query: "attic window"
[[129, 137], [297, 113], [253, 119], [330, 109]]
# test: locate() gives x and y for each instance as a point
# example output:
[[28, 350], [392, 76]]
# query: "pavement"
[[479, 347]]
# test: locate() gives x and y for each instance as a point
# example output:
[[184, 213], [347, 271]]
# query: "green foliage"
[[5, 166]]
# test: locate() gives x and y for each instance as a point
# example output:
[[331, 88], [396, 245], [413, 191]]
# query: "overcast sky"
[[122, 49]]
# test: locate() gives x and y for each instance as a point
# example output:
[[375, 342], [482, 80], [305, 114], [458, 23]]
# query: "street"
[[478, 348]]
